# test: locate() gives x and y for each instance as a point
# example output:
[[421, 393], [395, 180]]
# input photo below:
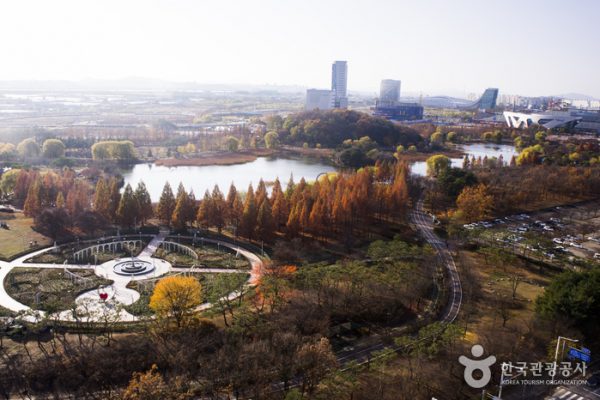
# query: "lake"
[[477, 150], [201, 178]]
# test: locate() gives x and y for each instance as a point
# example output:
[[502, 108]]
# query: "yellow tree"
[[149, 385], [33, 202], [176, 297], [474, 202]]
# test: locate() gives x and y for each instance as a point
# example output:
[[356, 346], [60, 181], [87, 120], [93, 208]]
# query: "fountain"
[[133, 267]]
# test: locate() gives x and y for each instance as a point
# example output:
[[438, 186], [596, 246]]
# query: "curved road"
[[424, 224]]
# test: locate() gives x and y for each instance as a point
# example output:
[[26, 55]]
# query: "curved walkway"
[[424, 224]]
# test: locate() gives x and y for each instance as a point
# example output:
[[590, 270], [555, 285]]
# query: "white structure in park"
[[549, 120]]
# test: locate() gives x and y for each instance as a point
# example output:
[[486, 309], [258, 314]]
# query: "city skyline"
[[434, 47]]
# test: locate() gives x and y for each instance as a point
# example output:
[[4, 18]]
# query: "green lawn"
[[16, 239]]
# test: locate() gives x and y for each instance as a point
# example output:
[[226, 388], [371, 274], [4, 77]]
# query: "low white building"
[[318, 99]]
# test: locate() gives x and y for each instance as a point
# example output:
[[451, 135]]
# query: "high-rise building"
[[389, 91], [388, 105], [339, 84], [318, 99]]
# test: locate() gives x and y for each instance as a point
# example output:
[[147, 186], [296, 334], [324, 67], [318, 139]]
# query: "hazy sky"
[[529, 47]]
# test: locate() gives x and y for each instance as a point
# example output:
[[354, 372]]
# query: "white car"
[[576, 245], [596, 255]]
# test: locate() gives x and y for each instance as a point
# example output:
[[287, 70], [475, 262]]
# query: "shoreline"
[[216, 158], [242, 157], [421, 156]]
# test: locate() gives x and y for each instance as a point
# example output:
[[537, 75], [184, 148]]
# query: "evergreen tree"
[[185, 209], [114, 195], [248, 221], [144, 203], [218, 209], [127, 210], [264, 222], [166, 204]]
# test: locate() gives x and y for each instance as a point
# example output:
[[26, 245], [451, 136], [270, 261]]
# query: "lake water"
[[205, 177], [477, 150]]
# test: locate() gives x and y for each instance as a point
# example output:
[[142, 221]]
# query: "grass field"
[[16, 239], [495, 282]]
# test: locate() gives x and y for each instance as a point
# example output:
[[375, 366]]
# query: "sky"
[[527, 47]]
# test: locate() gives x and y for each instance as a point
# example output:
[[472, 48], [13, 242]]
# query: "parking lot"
[[559, 233]]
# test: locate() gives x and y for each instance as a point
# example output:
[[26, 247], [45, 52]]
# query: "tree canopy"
[[332, 128], [175, 297], [28, 148], [53, 148]]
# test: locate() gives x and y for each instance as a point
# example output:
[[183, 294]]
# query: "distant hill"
[[139, 84]]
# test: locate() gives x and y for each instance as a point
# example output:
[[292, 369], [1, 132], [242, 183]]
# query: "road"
[[424, 224], [582, 392]]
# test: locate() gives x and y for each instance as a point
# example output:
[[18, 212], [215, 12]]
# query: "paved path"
[[91, 308], [424, 224], [153, 245]]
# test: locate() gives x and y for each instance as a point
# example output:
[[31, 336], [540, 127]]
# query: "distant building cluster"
[[337, 97], [388, 104]]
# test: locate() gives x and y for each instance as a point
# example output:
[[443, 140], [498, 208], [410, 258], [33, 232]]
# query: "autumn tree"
[[166, 204], [280, 207], [60, 200], [78, 198], [437, 164], [234, 206], [185, 209], [148, 385], [28, 148], [143, 203], [114, 195], [204, 211], [218, 209], [102, 201], [264, 222], [53, 148], [248, 220], [176, 297], [474, 202], [33, 202]]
